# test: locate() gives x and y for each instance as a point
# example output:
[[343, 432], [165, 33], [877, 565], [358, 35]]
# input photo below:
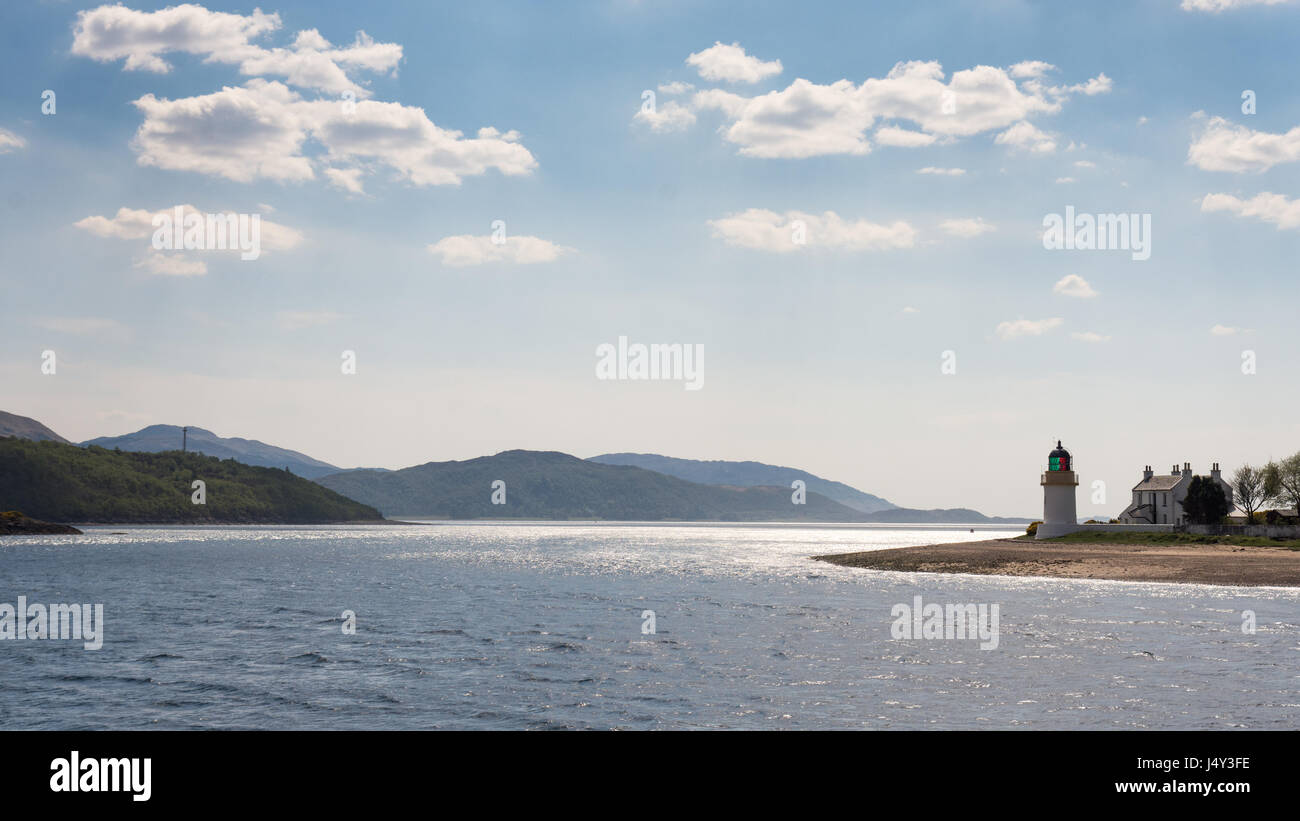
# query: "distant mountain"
[[951, 515], [24, 428], [746, 474], [551, 485], [158, 438], [67, 483]]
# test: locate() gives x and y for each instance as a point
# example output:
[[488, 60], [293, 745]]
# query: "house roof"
[[1159, 483]]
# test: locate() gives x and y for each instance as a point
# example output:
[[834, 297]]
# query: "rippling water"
[[540, 626]]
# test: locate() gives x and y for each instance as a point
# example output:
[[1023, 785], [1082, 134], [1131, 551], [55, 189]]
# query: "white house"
[[1158, 500]]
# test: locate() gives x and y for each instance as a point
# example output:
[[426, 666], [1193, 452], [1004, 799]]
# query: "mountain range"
[[541, 484], [552, 485], [158, 438], [746, 474]]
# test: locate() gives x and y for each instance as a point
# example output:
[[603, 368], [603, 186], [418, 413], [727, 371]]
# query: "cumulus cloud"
[[671, 116], [257, 131], [904, 137], [1013, 329], [349, 179], [1216, 6], [914, 105], [942, 172], [1073, 285], [1225, 146], [10, 141], [723, 63], [465, 250], [765, 230], [967, 228], [137, 223], [1027, 137], [675, 87], [110, 33], [1275, 209]]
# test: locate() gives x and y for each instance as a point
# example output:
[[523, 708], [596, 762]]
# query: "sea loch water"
[[515, 626]]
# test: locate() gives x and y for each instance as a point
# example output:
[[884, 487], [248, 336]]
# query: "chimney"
[[1146, 472], [1214, 472], [1187, 468], [1175, 471]]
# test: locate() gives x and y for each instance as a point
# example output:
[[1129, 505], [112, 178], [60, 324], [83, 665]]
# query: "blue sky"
[[826, 356]]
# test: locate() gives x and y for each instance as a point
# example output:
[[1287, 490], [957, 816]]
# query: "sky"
[[843, 205]]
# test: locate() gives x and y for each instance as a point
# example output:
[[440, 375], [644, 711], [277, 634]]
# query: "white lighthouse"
[[1059, 482]]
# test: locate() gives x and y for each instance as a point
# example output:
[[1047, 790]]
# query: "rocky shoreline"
[[13, 523], [1223, 564]]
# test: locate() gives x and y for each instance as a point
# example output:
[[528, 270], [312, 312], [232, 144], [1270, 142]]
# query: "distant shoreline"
[[1218, 564]]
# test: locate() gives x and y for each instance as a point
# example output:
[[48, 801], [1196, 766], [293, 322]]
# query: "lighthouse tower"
[[1059, 482]]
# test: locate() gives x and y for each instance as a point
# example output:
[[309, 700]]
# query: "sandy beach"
[[1189, 563]]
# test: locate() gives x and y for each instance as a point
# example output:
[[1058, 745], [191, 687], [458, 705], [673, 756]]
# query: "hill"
[[949, 515], [746, 474], [551, 485], [11, 424], [67, 483], [158, 438]]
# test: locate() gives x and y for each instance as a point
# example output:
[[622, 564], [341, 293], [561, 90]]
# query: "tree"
[[1283, 480], [1248, 486], [1205, 503]]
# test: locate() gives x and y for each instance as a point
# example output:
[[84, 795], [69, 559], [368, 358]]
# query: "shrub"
[[1032, 530]]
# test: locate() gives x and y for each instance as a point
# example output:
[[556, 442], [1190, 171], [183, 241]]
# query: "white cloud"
[[1143, 120], [257, 131], [1101, 84], [349, 179], [137, 223], [967, 228], [943, 172], [671, 116], [906, 138], [1073, 285], [1216, 6], [1227, 330], [765, 230], [1268, 207], [1090, 336], [109, 33], [808, 119], [297, 320], [10, 141], [1224, 146], [723, 63], [1030, 69], [910, 310], [465, 250], [1065, 180], [1084, 164], [1016, 328], [1027, 137], [675, 87]]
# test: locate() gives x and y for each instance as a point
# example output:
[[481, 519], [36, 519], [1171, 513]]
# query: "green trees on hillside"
[[66, 483]]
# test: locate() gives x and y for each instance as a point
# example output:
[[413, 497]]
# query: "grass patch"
[[1097, 537]]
